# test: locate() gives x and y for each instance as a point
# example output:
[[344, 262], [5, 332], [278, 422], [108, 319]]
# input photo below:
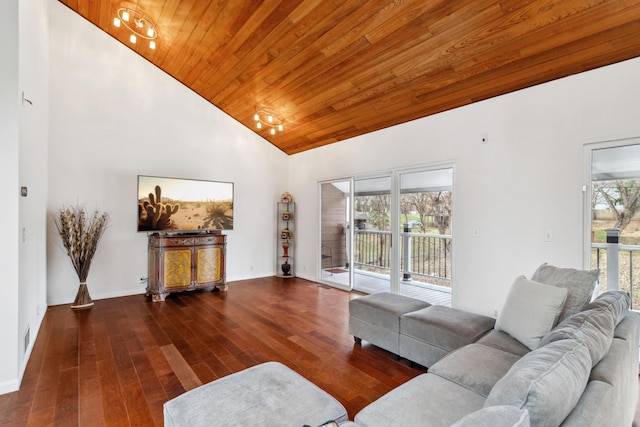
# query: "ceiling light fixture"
[[139, 25], [268, 120]]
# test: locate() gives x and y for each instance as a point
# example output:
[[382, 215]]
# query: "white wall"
[[9, 178], [114, 116], [23, 162], [34, 140], [527, 180]]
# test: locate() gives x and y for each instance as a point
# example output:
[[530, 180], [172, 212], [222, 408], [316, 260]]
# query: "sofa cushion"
[[617, 302], [579, 284], [594, 328], [593, 408], [548, 382], [495, 416], [448, 328], [505, 342], [530, 311], [384, 309], [475, 367], [426, 400]]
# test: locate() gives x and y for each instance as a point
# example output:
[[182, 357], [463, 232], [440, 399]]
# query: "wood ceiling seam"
[[217, 36], [316, 29], [189, 32], [170, 40], [222, 75], [301, 64], [290, 47], [106, 14]]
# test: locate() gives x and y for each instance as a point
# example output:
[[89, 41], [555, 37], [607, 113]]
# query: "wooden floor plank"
[[117, 363], [183, 371]]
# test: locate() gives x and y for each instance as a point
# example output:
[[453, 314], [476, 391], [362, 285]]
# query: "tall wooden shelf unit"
[[185, 262], [285, 249]]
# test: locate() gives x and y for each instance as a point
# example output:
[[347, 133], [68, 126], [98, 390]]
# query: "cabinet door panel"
[[208, 265], [177, 267]]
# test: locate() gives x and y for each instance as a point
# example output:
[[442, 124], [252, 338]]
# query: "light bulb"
[[125, 16], [280, 128], [132, 38], [259, 125], [256, 117], [273, 131], [152, 44], [269, 119], [116, 22], [150, 32]]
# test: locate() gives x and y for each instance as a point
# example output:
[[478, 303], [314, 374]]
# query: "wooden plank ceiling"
[[335, 69]]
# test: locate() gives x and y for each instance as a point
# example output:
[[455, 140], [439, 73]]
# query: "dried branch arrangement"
[[80, 234]]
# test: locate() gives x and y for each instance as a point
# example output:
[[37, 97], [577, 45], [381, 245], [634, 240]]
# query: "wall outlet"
[[548, 236], [495, 313]]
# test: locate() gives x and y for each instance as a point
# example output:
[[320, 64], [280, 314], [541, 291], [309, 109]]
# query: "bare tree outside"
[[430, 247], [433, 209], [621, 196], [615, 204], [376, 208]]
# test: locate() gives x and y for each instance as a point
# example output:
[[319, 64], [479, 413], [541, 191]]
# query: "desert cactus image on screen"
[[155, 215], [174, 204]]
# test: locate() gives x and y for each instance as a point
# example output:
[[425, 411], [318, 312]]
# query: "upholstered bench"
[[429, 334], [269, 394], [376, 318]]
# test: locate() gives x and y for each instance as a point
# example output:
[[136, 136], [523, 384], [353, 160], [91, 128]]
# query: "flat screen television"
[[184, 205]]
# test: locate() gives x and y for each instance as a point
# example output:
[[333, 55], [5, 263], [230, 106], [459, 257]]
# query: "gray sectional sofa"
[[584, 372], [552, 358]]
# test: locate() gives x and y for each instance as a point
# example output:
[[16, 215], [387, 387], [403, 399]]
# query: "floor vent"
[[26, 339]]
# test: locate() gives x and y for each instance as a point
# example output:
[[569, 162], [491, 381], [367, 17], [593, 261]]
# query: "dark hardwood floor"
[[117, 363]]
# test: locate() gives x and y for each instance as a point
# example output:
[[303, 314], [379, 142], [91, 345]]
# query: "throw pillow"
[[530, 311], [579, 284], [617, 302], [593, 328], [547, 382]]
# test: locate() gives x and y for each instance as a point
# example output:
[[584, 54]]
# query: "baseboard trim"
[[9, 386]]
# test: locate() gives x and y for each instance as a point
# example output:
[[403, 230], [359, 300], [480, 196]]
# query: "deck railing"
[[629, 268], [428, 256]]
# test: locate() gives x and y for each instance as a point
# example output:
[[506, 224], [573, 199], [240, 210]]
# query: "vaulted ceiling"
[[335, 69]]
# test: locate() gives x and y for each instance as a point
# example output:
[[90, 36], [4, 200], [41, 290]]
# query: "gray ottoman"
[[376, 318], [269, 394], [429, 334]]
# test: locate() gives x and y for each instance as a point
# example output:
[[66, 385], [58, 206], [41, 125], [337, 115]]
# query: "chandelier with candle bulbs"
[[139, 25], [268, 120]]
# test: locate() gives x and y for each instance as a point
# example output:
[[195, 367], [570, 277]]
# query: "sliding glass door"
[[612, 216], [425, 234], [372, 237], [389, 233]]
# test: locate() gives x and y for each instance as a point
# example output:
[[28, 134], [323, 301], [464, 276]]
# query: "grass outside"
[[629, 236]]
